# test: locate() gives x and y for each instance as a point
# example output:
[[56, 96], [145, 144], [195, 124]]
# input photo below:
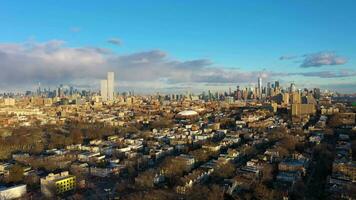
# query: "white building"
[[107, 87], [104, 90], [259, 83], [111, 83], [13, 192]]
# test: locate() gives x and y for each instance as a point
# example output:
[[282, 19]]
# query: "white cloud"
[[53, 63]]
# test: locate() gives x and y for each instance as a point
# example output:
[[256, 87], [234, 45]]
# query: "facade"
[[13, 192], [107, 88], [55, 184], [110, 86], [295, 98], [9, 102], [292, 88], [104, 90], [303, 109], [260, 87]]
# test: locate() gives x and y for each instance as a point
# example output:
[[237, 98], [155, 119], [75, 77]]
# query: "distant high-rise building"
[[302, 109], [71, 90], [316, 93], [259, 87], [39, 89], [60, 91], [104, 90], [111, 84], [276, 84], [269, 90], [107, 88], [292, 88]]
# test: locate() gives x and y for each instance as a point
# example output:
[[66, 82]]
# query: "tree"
[[288, 142], [262, 192], [145, 179], [162, 123], [173, 168], [216, 193], [57, 141], [200, 155], [203, 192], [223, 171], [15, 173], [32, 179], [267, 173], [298, 190], [77, 136]]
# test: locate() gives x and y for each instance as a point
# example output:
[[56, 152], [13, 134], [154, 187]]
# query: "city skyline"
[[234, 46]]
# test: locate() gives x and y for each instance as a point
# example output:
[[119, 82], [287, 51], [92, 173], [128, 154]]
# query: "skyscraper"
[[292, 88], [259, 87], [110, 86], [276, 84], [269, 90], [104, 90], [316, 93], [107, 88]]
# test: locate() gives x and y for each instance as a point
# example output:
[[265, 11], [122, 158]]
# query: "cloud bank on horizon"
[[53, 63]]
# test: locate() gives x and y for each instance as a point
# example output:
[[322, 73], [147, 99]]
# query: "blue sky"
[[247, 36]]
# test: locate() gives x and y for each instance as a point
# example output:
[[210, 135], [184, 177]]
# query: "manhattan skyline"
[[176, 46]]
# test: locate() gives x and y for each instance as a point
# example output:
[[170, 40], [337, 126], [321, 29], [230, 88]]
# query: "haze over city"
[[177, 46]]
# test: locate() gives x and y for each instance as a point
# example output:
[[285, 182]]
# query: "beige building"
[[303, 109]]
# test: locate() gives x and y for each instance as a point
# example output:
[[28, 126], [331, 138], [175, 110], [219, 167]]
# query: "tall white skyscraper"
[[107, 88], [104, 90], [260, 86], [111, 86]]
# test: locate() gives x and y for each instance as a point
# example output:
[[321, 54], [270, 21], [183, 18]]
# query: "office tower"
[[316, 93], [309, 99], [107, 88], [292, 88], [259, 83], [299, 109], [110, 86], [71, 90], [60, 91], [269, 89], [276, 84], [39, 89], [104, 90]]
